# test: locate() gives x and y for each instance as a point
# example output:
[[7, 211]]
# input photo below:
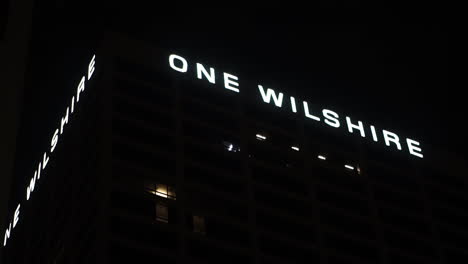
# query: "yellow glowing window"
[[162, 190]]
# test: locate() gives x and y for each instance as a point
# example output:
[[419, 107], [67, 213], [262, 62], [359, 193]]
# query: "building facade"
[[15, 28], [175, 160]]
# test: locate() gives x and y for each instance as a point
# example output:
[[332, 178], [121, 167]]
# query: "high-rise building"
[[168, 157], [15, 27]]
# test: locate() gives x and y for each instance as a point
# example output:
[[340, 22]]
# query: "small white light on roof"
[[231, 147], [349, 167], [260, 137], [322, 157], [295, 148]]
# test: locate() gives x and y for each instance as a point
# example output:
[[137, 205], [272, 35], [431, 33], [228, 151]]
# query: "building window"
[[199, 224], [162, 213], [162, 190]]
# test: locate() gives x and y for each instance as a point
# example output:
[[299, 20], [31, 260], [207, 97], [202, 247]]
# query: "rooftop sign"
[[44, 160], [326, 116]]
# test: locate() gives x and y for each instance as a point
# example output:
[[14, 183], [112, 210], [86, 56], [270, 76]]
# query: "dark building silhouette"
[[15, 31], [156, 165]]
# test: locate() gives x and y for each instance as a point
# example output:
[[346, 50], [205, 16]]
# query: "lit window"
[[198, 224], [260, 137], [230, 147], [349, 167], [162, 213], [162, 190], [322, 157], [295, 148]]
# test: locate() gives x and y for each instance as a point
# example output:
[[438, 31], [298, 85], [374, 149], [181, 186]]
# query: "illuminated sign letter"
[[53, 142], [269, 94], [201, 69], [172, 57], [73, 104], [391, 137], [374, 135], [331, 118], [15, 221], [39, 169], [293, 105], [91, 67], [7, 235], [32, 183], [230, 82], [16, 217], [31, 186], [45, 160], [64, 121], [413, 147], [307, 114], [81, 87], [352, 126]]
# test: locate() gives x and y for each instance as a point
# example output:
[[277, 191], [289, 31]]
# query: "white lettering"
[[269, 94], [45, 160], [391, 137], [7, 235], [201, 69], [293, 105], [30, 188], [39, 169], [80, 89], [91, 67], [53, 142], [15, 221], [413, 147], [307, 113], [184, 67], [331, 118], [64, 121], [230, 82], [32, 183], [73, 104], [16, 217], [352, 126], [374, 134]]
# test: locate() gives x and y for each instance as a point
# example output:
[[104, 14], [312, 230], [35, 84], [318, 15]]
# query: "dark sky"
[[385, 65]]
